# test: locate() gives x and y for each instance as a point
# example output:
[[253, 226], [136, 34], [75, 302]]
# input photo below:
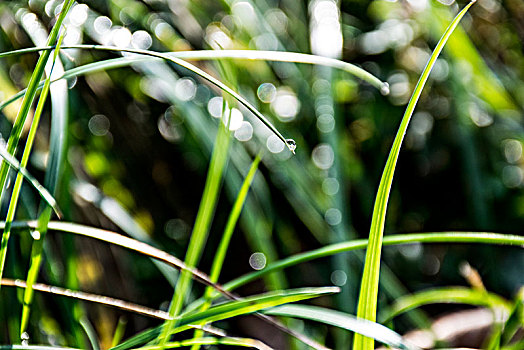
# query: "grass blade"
[[45, 216], [202, 222], [227, 235], [432, 237], [42, 191], [456, 295], [255, 55], [231, 341], [344, 321], [228, 310], [31, 93], [94, 298], [367, 305]]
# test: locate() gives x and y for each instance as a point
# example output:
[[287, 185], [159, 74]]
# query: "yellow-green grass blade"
[[344, 321], [367, 304], [446, 295]]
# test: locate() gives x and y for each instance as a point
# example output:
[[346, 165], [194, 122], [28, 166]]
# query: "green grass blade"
[[229, 310], [367, 305], [13, 203], [202, 222], [344, 321], [231, 223], [431, 237], [454, 295], [125, 242], [45, 216], [220, 255], [33, 347], [29, 97], [42, 191], [230, 341]]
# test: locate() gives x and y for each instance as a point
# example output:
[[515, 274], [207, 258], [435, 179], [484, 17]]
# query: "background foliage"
[[139, 140]]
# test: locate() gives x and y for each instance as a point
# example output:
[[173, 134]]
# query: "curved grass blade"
[[42, 191], [148, 250], [255, 55], [291, 145], [431, 237], [344, 321], [99, 299], [367, 305], [455, 295]]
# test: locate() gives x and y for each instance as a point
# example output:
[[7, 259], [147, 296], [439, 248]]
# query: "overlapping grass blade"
[[125, 242], [45, 216], [13, 141], [367, 305], [444, 295], [42, 191], [33, 347], [29, 97], [229, 310], [227, 235], [344, 321], [203, 220]]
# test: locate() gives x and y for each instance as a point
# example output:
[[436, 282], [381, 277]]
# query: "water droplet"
[[384, 89], [291, 144], [257, 261], [25, 339]]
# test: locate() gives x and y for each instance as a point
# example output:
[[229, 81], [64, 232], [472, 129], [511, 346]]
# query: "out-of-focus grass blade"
[[256, 55], [453, 295], [231, 341], [42, 191], [230, 309], [345, 321], [367, 305]]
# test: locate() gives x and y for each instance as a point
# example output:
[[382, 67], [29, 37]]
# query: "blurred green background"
[[139, 139]]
